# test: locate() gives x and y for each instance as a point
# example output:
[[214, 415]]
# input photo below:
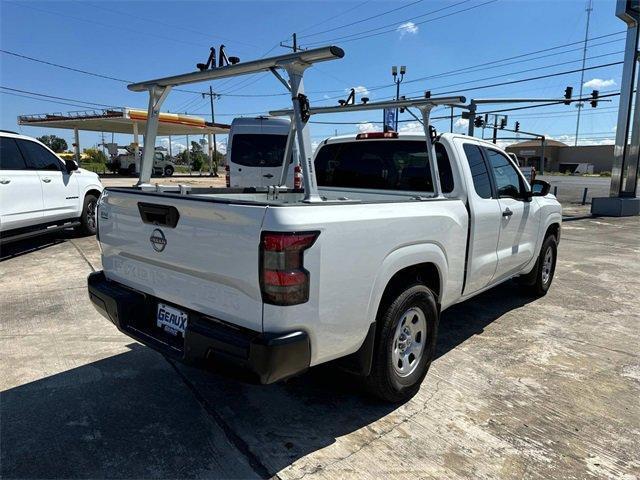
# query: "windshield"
[[379, 164], [258, 150]]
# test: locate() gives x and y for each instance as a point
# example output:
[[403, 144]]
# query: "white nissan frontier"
[[357, 266]]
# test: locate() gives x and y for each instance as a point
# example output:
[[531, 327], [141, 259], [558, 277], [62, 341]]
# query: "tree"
[[95, 156], [56, 144]]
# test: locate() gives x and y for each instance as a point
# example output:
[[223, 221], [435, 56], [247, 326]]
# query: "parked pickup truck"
[[275, 285]]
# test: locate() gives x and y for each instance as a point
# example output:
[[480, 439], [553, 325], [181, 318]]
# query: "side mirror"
[[71, 165], [540, 188]]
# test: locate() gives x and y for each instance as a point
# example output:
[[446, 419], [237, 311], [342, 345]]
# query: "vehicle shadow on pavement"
[[136, 415], [22, 247]]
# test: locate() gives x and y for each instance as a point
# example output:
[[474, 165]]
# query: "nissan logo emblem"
[[158, 240]]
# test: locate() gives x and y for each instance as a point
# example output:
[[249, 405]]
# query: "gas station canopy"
[[124, 120]]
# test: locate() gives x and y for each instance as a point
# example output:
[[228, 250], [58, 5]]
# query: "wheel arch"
[[426, 264]]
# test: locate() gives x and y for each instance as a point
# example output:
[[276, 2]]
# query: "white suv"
[[39, 192]]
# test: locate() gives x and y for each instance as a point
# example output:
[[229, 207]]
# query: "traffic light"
[[594, 98], [427, 94], [517, 126], [503, 122], [478, 122], [568, 92]]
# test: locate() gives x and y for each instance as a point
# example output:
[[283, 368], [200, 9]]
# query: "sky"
[[449, 47]]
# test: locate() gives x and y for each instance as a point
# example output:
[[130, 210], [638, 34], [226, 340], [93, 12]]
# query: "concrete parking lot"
[[521, 388]]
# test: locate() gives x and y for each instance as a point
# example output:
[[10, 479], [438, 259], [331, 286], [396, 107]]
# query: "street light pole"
[[398, 80]]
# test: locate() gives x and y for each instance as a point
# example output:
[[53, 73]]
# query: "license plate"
[[171, 320]]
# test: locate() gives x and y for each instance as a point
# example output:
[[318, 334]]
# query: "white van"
[[255, 150]]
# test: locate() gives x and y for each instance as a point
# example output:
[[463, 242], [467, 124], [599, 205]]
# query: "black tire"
[[538, 282], [168, 171], [88, 220], [132, 169], [385, 381]]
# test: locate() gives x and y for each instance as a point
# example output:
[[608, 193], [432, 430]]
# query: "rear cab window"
[[378, 164], [479, 172], [258, 150]]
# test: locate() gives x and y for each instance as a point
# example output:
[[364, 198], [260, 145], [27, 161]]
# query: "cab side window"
[[39, 157], [10, 156], [479, 172], [508, 182]]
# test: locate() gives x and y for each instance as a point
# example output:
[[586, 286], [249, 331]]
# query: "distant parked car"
[[40, 192], [125, 163]]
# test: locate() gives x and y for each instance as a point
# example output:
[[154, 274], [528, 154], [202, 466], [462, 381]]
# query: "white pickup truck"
[[276, 280], [277, 285]]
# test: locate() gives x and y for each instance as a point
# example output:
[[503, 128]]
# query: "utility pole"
[[451, 121], [584, 58], [213, 158], [294, 46], [397, 79]]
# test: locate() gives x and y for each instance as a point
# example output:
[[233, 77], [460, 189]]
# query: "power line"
[[311, 27], [362, 20], [159, 22], [57, 98], [43, 99], [492, 64], [345, 39]]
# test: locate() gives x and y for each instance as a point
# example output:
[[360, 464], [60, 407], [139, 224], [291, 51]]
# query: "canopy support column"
[[157, 96], [136, 146], [76, 144], [295, 70]]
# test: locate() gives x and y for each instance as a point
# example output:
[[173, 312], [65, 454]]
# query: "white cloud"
[[569, 140], [360, 90], [364, 127], [461, 124], [176, 147], [412, 127], [599, 83], [406, 28]]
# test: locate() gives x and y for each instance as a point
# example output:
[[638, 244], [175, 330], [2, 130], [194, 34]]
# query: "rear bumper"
[[269, 356]]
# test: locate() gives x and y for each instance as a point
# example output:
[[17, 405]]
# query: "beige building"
[[560, 157]]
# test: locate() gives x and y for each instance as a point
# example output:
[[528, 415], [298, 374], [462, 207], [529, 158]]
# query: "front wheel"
[[88, 222], [405, 344]]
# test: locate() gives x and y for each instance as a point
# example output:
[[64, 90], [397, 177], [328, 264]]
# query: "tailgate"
[[191, 252]]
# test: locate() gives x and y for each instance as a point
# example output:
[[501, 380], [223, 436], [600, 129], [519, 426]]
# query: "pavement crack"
[[236, 440], [83, 255]]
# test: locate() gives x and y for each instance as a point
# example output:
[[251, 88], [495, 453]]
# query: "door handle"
[[507, 212], [4, 181], [268, 175], [46, 180]]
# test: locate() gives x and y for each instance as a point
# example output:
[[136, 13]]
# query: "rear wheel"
[[168, 171], [132, 169], [405, 344], [88, 221]]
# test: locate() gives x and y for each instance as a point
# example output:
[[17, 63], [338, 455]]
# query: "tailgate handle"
[[162, 215]]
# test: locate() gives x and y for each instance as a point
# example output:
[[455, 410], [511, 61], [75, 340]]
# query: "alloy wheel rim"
[[91, 215], [408, 341], [547, 264]]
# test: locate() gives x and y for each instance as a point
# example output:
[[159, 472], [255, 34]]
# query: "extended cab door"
[[520, 218], [484, 223], [59, 187], [20, 191]]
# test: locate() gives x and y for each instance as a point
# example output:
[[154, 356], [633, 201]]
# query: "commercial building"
[[560, 157]]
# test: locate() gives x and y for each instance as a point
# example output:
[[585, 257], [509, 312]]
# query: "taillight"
[[297, 177], [227, 176], [283, 279]]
